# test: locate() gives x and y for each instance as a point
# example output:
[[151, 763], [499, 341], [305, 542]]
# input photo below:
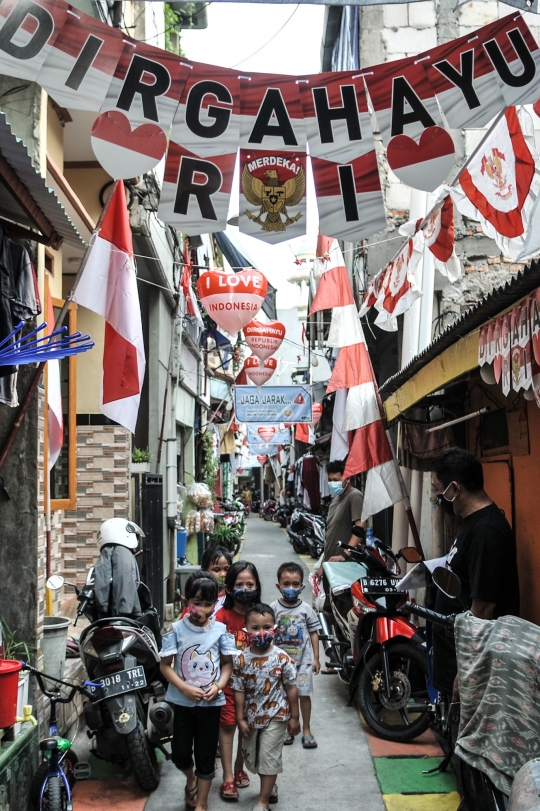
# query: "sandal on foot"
[[241, 779], [274, 796], [288, 740], [190, 796], [309, 742], [228, 791]]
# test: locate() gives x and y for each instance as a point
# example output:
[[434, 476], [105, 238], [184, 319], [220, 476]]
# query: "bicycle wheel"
[[55, 794], [68, 763]]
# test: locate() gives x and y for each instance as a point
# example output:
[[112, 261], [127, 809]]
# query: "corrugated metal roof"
[[16, 154], [523, 283]]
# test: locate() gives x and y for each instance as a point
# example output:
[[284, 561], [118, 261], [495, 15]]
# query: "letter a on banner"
[[420, 151], [130, 136], [79, 67], [343, 158], [202, 151], [273, 158], [28, 30]]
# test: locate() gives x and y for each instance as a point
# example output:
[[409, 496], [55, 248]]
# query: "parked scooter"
[[127, 717], [268, 509], [375, 649], [307, 533]]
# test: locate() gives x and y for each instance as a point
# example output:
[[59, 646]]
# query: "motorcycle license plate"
[[122, 682], [379, 585]]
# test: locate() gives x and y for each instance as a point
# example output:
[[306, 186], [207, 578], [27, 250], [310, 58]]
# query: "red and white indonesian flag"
[[393, 291], [439, 237], [501, 184], [108, 287], [202, 151], [342, 151], [55, 414], [79, 67], [370, 450], [419, 149], [129, 137]]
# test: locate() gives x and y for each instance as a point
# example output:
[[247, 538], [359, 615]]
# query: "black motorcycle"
[[127, 716], [307, 533]]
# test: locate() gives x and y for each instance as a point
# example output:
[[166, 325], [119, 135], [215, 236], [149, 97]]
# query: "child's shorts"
[[304, 681], [263, 749], [228, 713]]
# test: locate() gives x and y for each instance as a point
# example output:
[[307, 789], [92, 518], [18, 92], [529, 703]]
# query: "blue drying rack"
[[17, 351]]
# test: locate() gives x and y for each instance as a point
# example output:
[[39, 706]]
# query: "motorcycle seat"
[[344, 573]]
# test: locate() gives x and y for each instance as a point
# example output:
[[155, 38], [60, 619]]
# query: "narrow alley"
[[350, 770]]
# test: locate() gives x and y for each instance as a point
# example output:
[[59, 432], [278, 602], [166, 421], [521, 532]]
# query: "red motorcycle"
[[374, 648]]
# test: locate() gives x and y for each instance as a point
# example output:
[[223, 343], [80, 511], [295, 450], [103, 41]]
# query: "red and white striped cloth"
[[108, 287], [370, 450]]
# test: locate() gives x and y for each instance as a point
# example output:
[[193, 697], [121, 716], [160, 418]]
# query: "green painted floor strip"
[[404, 776]]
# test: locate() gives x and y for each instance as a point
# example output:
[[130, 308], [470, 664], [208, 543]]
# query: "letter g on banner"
[[28, 29]]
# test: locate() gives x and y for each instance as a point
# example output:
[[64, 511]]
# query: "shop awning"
[[28, 208], [455, 351]]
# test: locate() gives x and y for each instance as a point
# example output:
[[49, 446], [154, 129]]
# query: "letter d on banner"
[[22, 53]]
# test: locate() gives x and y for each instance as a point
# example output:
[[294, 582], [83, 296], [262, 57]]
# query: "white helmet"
[[119, 531]]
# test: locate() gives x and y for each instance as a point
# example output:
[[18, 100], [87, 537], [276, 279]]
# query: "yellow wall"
[[55, 136], [89, 364], [87, 183]]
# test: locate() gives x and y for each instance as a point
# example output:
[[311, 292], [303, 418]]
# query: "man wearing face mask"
[[483, 556], [344, 513]]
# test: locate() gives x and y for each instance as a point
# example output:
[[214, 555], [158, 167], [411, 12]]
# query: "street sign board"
[[273, 404]]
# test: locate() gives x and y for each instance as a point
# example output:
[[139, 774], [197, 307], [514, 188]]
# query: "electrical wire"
[[287, 21]]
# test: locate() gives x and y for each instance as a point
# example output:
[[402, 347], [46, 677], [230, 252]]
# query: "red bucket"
[[9, 687]]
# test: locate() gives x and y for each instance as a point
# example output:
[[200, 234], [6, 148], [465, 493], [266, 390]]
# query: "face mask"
[[446, 503], [244, 596], [336, 488], [221, 579], [199, 613], [291, 595], [262, 639]]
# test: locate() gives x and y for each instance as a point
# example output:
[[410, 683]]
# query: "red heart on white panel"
[[266, 432], [264, 339], [262, 459], [124, 152], [259, 372], [423, 165], [232, 299]]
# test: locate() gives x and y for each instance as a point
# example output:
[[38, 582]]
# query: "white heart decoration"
[[259, 372]]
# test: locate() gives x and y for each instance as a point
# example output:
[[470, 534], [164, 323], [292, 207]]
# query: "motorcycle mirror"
[[410, 554], [55, 582], [446, 581]]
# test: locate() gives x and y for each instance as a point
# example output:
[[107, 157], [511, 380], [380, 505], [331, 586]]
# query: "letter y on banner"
[[28, 30], [130, 136], [420, 150], [202, 151], [273, 158]]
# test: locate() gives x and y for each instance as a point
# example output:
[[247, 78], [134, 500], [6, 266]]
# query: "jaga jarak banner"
[[273, 404], [139, 91]]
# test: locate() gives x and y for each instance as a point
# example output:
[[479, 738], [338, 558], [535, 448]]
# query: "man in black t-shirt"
[[483, 555]]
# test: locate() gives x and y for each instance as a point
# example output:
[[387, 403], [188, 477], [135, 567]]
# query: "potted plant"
[[14, 648], [140, 460]]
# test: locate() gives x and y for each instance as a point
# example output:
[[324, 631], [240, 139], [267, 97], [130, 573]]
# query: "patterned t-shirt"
[[294, 625], [197, 653], [262, 679]]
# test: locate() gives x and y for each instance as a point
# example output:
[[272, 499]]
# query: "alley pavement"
[[339, 774]]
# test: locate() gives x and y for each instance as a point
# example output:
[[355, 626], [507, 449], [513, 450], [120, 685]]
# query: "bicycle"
[[60, 768]]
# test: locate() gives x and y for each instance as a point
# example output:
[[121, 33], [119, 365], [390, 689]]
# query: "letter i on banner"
[[343, 158], [272, 158], [202, 151], [79, 67], [27, 32], [130, 136], [419, 149]]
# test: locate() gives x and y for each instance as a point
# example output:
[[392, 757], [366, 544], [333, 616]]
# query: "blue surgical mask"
[[336, 488], [292, 595]]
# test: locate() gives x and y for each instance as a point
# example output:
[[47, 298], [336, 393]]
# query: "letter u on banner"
[[130, 136], [28, 30], [198, 174]]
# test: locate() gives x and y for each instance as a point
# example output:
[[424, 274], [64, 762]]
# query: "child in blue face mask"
[[296, 633]]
